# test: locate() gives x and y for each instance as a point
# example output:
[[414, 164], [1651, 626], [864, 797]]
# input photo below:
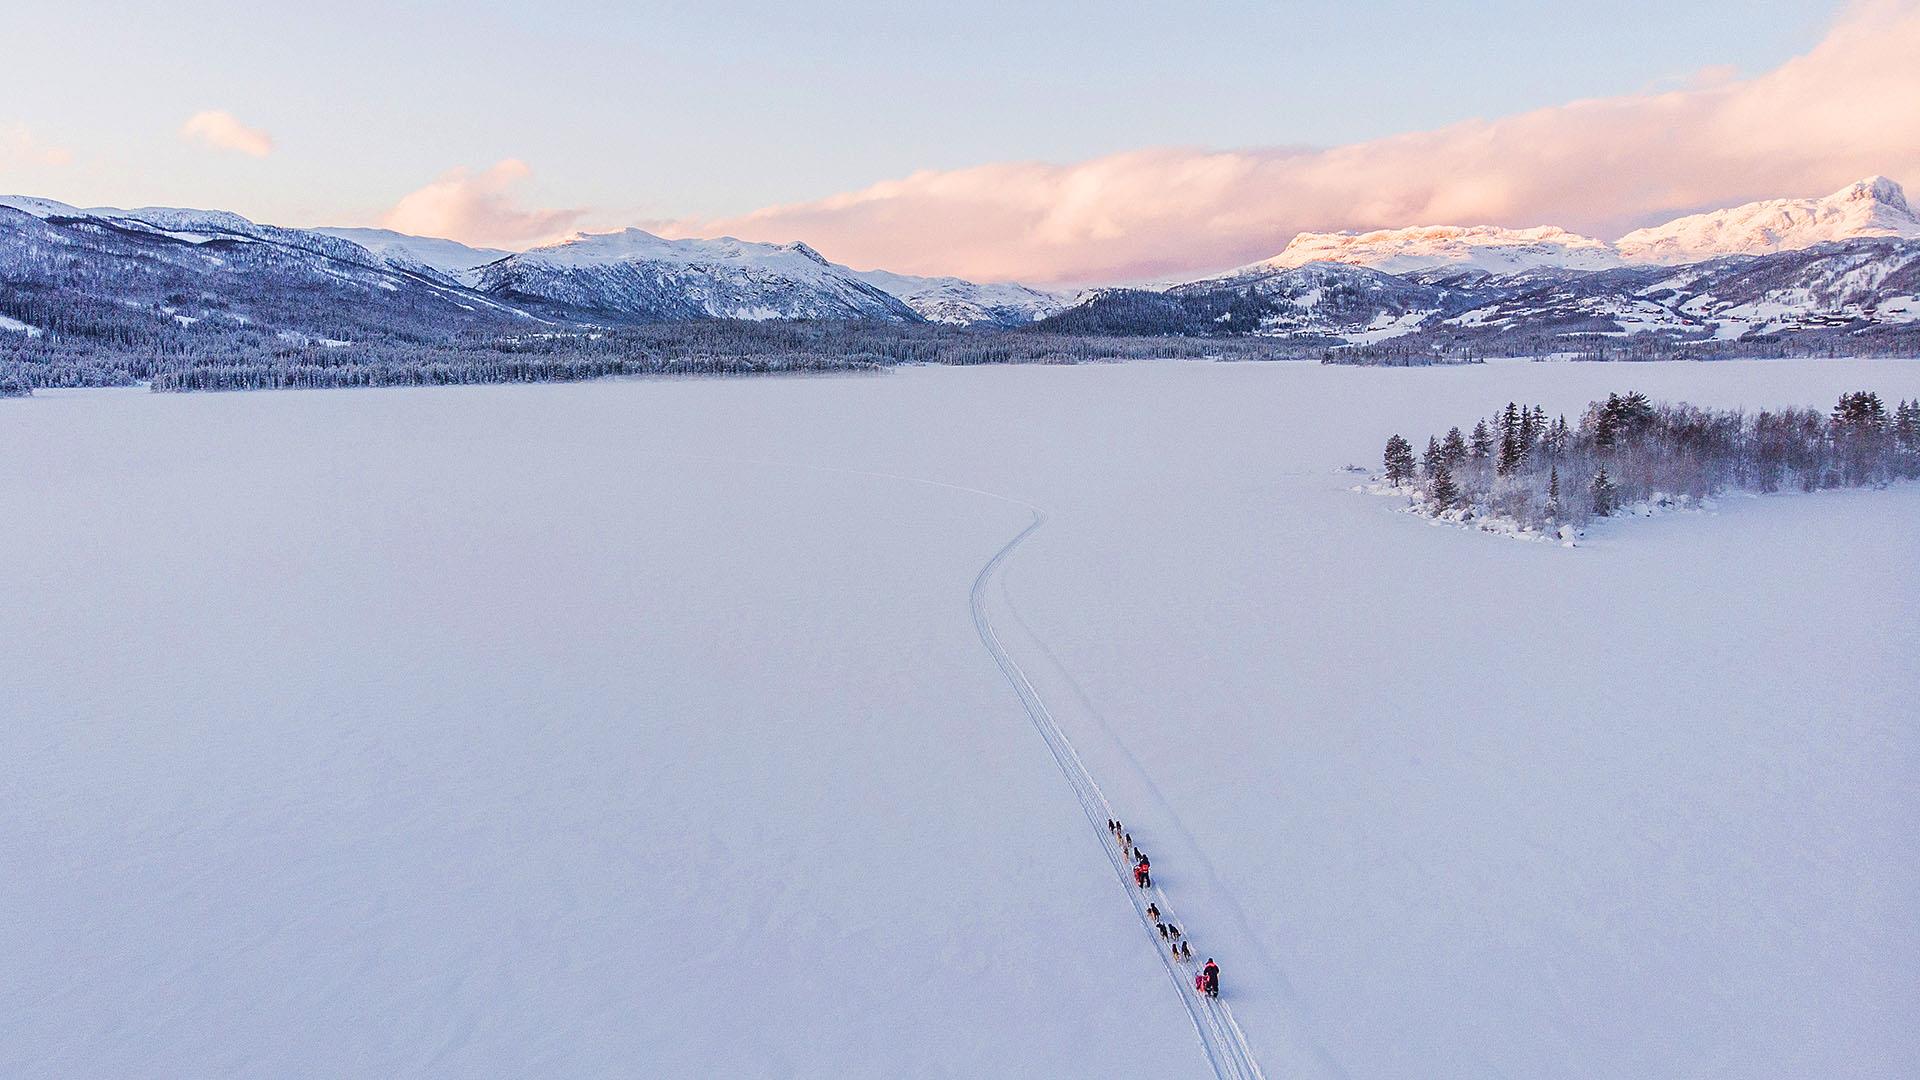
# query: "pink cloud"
[[20, 147], [224, 131], [480, 208], [1847, 108]]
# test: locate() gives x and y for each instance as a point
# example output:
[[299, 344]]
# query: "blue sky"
[[678, 110]]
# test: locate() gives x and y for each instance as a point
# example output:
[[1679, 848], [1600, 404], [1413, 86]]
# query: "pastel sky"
[[1054, 143]]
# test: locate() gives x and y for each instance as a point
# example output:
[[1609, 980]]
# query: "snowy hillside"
[[635, 274], [423, 733], [449, 257], [179, 282], [964, 303], [1482, 247], [1874, 207], [1340, 301], [189, 226]]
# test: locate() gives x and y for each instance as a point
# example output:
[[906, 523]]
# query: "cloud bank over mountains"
[[1848, 107], [482, 208]]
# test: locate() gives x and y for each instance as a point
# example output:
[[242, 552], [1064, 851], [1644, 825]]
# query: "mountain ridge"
[[177, 281]]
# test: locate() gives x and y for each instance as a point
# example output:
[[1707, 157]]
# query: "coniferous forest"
[[120, 350], [1532, 471]]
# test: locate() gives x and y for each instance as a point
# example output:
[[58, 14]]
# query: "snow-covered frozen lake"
[[642, 728]]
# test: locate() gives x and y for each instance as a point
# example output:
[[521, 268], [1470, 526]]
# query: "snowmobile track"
[[1220, 1036]]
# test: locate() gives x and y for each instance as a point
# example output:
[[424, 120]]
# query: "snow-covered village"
[[874, 542]]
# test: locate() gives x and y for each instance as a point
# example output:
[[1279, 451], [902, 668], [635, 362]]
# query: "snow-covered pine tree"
[[1906, 438], [1433, 457], [1558, 436], [1441, 490], [1603, 493], [1399, 459], [1454, 449], [1553, 496], [1482, 443], [1606, 422], [1860, 430], [1513, 446], [1861, 410]]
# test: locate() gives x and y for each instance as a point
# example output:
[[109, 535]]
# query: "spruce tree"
[[1603, 493], [1441, 490], [1454, 450], [1512, 450], [1860, 411], [1606, 423], [1553, 495], [1399, 460], [1906, 438], [1433, 458], [1482, 445]]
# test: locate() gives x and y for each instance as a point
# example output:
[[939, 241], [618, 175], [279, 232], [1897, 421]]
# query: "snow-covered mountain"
[[630, 276], [191, 226], [1855, 291], [1847, 264], [181, 281], [959, 302], [457, 261], [1484, 247], [1874, 207], [949, 300], [1336, 300], [634, 274]]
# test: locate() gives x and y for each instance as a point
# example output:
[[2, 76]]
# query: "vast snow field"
[[643, 728]]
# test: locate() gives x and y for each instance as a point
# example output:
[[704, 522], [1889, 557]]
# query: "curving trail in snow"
[[1220, 1036]]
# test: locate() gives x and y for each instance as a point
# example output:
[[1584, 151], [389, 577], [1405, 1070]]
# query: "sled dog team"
[[1207, 979]]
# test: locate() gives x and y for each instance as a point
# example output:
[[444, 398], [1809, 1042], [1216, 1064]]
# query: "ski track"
[[1228, 1053]]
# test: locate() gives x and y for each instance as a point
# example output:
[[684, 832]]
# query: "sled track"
[[1220, 1036]]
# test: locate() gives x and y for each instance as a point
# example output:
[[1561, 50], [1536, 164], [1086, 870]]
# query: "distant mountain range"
[[1847, 264], [172, 280], [1874, 207]]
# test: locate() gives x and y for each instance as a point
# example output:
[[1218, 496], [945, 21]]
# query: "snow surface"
[[639, 245], [643, 728], [40, 208], [16, 326]]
